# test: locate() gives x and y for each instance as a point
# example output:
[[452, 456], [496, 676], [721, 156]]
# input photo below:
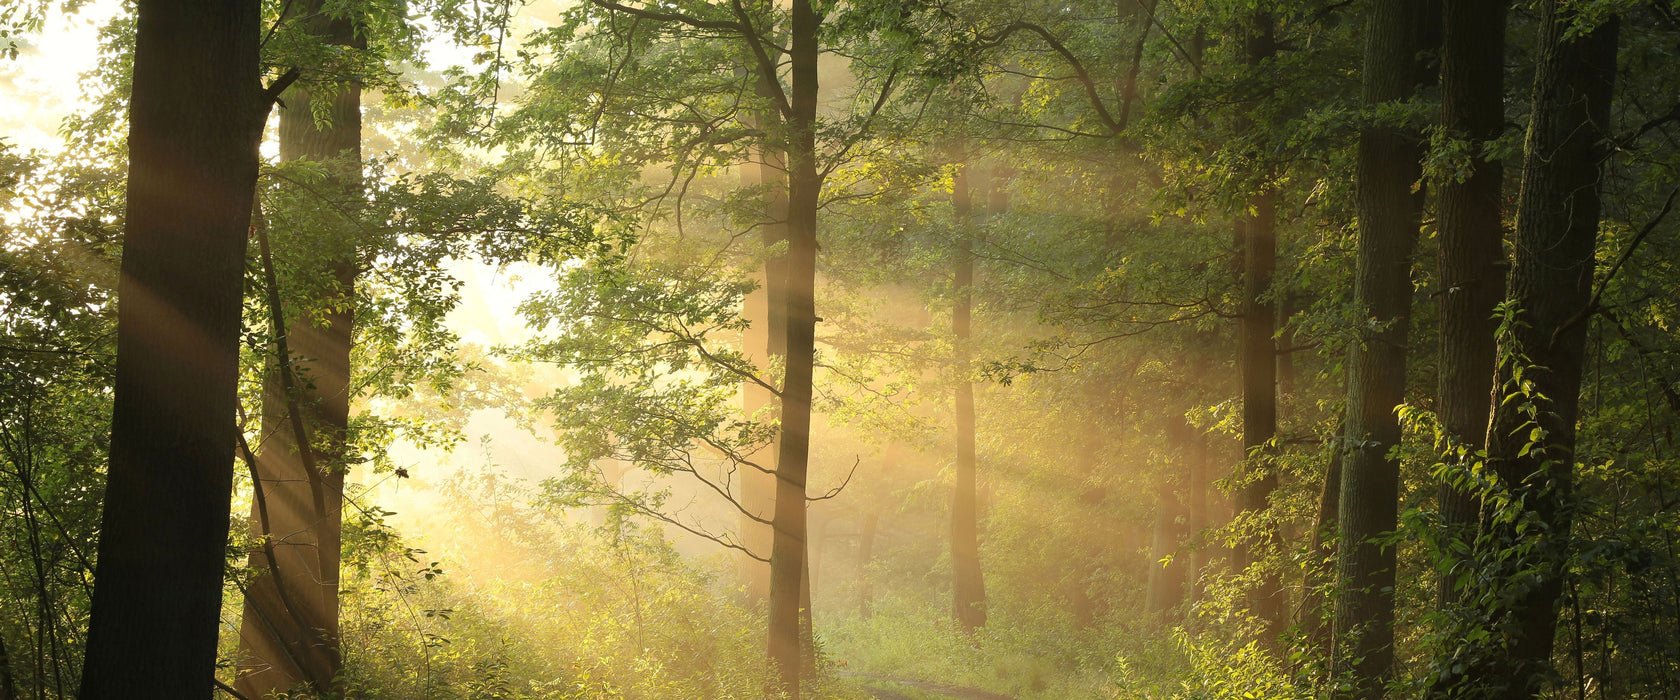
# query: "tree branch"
[[1072, 61], [1592, 304]]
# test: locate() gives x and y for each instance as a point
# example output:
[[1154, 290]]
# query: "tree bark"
[[195, 119], [1471, 226], [1258, 354], [766, 338], [1389, 165], [968, 590], [818, 527], [1256, 234], [302, 463], [787, 557], [1551, 277]]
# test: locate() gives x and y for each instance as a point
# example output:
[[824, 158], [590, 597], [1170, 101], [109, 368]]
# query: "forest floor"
[[884, 688]]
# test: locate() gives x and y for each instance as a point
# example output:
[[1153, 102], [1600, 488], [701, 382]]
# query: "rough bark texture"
[[283, 649], [787, 557], [194, 123], [968, 590], [1389, 165], [1472, 274], [1551, 278]]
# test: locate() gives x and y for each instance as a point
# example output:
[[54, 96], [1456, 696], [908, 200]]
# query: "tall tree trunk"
[[195, 120], [304, 490], [787, 556], [1471, 230], [1259, 410], [1389, 165], [766, 338], [1256, 233], [1551, 278], [968, 590], [1199, 483]]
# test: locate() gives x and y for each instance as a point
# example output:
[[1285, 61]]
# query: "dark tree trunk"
[[1389, 164], [787, 556], [8, 686], [1471, 230], [1256, 234], [1258, 354], [1551, 278], [304, 490], [194, 123], [968, 591]]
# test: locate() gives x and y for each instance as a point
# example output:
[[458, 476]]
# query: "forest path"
[[922, 690]]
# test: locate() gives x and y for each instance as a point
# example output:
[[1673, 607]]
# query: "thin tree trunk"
[[1551, 278], [1199, 482], [304, 478], [195, 120], [1471, 227], [787, 557], [968, 591], [1389, 164], [765, 339]]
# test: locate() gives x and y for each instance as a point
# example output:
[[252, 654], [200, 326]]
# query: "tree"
[[1256, 239], [290, 638], [968, 587], [1390, 212], [787, 551], [195, 117], [1531, 439], [1472, 230]]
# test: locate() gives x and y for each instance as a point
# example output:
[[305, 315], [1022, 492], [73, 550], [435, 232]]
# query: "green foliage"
[[612, 160], [58, 258], [538, 605]]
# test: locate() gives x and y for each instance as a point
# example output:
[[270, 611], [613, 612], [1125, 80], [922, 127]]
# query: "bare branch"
[[842, 487]]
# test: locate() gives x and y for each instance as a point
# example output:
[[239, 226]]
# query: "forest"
[[839, 349]]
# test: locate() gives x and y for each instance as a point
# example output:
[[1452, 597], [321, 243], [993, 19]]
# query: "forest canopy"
[[839, 349]]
